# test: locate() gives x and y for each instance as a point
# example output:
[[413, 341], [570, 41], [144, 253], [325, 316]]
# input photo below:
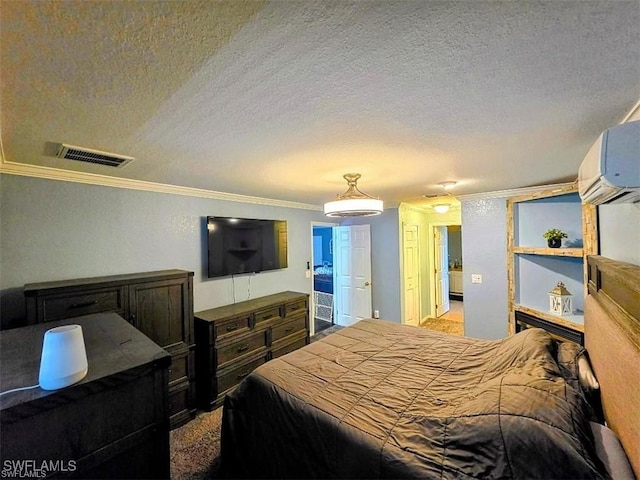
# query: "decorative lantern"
[[560, 300]]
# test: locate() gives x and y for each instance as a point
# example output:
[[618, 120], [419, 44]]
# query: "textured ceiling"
[[280, 99]]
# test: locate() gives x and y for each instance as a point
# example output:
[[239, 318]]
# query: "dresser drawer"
[[68, 305], [266, 315], [181, 367], [284, 348], [233, 377], [178, 399], [232, 326], [291, 327], [246, 345], [296, 307]]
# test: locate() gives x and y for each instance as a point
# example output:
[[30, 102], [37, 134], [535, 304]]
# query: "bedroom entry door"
[[352, 273], [441, 270], [411, 261]]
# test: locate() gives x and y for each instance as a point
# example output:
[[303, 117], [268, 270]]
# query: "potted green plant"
[[554, 237]]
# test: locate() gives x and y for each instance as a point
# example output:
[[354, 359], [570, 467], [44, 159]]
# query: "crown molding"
[[25, 170], [635, 109], [513, 192], [409, 207]]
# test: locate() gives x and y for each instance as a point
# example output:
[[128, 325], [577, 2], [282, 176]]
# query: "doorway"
[[448, 272], [322, 274], [341, 275], [454, 243]]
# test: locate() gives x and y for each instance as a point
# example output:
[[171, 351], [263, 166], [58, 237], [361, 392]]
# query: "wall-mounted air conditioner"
[[610, 173]]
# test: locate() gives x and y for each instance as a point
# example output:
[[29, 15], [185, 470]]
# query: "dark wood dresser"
[[112, 424], [159, 304], [233, 340]]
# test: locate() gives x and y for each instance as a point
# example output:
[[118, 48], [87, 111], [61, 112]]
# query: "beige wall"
[[425, 219]]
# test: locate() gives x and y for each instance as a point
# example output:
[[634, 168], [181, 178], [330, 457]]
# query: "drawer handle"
[[242, 375], [231, 328], [287, 330], [82, 305], [267, 317], [243, 348]]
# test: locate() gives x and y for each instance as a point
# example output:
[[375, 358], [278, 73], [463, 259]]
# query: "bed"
[[323, 278], [383, 400]]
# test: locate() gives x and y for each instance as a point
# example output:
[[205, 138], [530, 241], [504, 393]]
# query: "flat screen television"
[[245, 245]]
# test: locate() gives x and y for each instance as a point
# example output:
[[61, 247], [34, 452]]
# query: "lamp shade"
[[353, 203], [441, 208], [64, 358], [353, 207]]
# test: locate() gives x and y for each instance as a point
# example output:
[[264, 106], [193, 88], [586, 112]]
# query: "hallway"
[[455, 313]]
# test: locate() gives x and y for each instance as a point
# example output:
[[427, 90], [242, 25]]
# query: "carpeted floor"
[[325, 332], [195, 447], [454, 327]]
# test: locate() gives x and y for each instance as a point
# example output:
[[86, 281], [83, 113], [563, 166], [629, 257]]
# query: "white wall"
[[619, 227], [619, 231]]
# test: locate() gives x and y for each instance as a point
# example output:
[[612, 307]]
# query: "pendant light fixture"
[[441, 208], [353, 203]]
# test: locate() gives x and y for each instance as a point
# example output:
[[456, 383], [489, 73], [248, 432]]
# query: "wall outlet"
[[376, 314], [476, 278], [307, 273]]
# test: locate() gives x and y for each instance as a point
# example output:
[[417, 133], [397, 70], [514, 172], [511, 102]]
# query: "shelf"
[[536, 275], [558, 252], [533, 269], [575, 321]]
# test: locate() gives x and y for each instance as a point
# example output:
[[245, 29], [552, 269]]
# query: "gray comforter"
[[382, 400]]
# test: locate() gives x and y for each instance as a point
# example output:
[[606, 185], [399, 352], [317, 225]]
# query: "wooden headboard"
[[612, 339]]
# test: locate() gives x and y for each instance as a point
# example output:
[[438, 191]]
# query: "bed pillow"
[[575, 366], [567, 354], [611, 453]]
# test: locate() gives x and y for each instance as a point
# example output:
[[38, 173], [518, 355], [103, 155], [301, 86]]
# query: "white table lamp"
[[64, 358]]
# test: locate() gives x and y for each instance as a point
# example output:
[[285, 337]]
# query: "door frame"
[[312, 306], [431, 255]]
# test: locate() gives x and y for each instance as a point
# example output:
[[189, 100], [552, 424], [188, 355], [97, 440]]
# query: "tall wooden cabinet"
[[113, 423], [159, 304], [534, 269]]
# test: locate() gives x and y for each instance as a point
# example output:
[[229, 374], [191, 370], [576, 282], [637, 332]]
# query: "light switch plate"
[[476, 278]]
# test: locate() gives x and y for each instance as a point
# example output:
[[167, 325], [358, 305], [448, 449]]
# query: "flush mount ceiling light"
[[441, 208], [448, 185], [353, 203]]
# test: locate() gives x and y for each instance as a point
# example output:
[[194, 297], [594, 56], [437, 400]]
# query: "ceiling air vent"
[[87, 155]]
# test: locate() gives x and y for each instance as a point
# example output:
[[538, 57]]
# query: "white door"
[[441, 270], [352, 273], [411, 261]]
